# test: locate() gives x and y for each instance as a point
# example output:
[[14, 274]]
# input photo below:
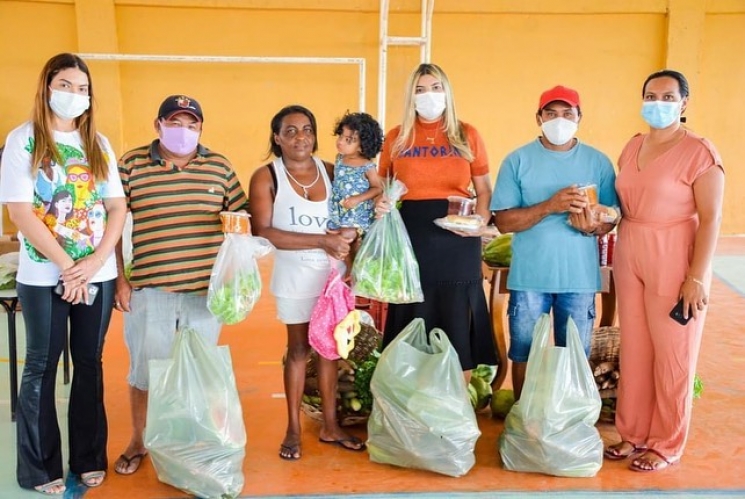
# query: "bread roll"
[[469, 222]]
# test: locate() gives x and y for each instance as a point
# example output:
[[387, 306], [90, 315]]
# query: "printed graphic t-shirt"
[[64, 196]]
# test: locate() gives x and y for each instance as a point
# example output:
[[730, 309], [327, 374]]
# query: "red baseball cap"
[[559, 93]]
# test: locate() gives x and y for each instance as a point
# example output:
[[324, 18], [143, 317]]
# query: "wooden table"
[[498, 292]]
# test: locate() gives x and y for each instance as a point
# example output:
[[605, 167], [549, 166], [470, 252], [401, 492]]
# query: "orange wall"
[[499, 56]]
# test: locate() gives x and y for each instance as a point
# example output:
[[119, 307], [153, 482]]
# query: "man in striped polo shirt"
[[175, 190]]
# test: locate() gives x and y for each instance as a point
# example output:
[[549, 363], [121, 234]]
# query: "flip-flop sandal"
[[93, 479], [636, 464], [612, 454], [342, 442], [135, 460], [289, 452], [46, 489]]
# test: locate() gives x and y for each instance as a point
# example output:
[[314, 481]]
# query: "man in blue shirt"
[[538, 195]]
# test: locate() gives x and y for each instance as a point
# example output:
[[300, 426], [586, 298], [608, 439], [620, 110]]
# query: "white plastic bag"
[[235, 282], [195, 432], [551, 429], [422, 416]]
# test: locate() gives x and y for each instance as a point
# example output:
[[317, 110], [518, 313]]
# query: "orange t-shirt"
[[431, 168]]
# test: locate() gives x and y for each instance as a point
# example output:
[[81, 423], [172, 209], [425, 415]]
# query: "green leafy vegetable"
[[362, 376], [233, 301]]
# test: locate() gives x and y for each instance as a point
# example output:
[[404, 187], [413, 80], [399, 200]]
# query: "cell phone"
[[677, 313], [92, 292]]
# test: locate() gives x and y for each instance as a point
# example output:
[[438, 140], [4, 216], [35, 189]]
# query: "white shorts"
[[295, 310], [150, 328]]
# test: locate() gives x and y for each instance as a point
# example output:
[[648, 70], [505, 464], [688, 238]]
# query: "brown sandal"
[[639, 463], [612, 453]]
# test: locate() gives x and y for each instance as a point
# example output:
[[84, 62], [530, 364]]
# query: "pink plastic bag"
[[335, 302]]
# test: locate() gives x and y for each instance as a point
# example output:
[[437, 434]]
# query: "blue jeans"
[[38, 436], [525, 307]]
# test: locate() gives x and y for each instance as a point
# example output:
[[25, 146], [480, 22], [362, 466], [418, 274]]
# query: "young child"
[[356, 182]]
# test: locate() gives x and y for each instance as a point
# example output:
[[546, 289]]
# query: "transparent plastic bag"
[[194, 431], [422, 416], [235, 282], [551, 429], [334, 304], [385, 268]]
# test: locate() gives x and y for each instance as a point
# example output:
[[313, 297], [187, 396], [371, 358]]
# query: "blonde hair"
[[45, 148], [451, 126]]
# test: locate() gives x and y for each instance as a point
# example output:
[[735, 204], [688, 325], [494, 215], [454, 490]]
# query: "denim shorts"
[[150, 328], [526, 307]]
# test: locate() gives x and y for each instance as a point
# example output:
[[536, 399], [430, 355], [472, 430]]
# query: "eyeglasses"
[[73, 177], [95, 214]]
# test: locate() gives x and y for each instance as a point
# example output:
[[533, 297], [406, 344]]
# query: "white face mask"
[[430, 105], [559, 131], [68, 105]]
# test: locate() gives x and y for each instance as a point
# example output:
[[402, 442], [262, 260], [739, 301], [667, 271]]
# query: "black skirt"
[[452, 283]]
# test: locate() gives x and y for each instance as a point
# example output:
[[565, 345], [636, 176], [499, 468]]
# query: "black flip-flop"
[[342, 441]]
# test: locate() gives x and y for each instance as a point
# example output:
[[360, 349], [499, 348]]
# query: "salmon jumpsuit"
[[654, 250]]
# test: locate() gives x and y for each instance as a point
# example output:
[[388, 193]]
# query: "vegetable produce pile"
[[498, 251], [479, 388], [354, 400], [232, 302], [8, 270]]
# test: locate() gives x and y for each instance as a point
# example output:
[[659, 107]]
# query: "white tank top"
[[299, 273]]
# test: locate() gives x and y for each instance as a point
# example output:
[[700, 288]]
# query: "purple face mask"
[[179, 140]]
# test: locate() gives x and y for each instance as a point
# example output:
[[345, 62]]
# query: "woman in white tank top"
[[289, 206]]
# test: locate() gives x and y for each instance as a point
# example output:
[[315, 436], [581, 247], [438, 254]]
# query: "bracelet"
[[697, 281]]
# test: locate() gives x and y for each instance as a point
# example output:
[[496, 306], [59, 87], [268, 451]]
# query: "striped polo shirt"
[[176, 229]]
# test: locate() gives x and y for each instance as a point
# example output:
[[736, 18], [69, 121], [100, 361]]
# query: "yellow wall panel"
[[721, 107], [499, 54]]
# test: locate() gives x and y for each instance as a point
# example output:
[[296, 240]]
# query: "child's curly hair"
[[368, 130]]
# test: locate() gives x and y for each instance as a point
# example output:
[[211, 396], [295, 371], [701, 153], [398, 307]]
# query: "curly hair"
[[368, 130]]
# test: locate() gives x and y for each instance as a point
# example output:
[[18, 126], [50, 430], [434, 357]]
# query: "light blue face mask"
[[660, 114]]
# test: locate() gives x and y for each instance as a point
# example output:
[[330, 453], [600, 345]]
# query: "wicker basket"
[[604, 346]]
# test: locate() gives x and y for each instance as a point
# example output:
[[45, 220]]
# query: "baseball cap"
[[180, 104], [560, 93]]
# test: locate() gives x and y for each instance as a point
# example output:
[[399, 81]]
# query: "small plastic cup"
[[458, 205], [591, 191], [235, 222]]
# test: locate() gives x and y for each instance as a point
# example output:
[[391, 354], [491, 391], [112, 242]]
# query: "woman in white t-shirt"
[[56, 169], [289, 206]]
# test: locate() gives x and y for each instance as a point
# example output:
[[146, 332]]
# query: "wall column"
[[685, 40], [97, 33]]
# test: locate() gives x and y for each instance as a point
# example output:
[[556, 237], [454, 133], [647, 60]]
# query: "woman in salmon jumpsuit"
[[670, 185]]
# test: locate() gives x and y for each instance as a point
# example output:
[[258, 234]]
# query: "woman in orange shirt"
[[436, 155]]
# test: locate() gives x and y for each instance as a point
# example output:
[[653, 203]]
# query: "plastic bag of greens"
[[421, 417], [194, 430], [385, 268], [551, 429], [235, 282]]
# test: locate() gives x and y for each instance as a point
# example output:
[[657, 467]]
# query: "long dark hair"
[[669, 73]]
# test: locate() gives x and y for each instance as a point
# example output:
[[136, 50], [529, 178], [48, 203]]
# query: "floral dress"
[[350, 181]]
